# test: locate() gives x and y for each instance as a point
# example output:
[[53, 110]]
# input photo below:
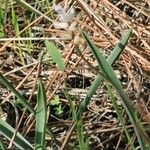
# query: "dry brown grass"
[[105, 21]]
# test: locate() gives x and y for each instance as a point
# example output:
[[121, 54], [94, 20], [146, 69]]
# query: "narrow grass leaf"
[[119, 47], [1, 15], [14, 19], [111, 59], [80, 135], [32, 9], [7, 131], [40, 129], [109, 73], [21, 99], [115, 105], [78, 123], [55, 54], [2, 145], [72, 107]]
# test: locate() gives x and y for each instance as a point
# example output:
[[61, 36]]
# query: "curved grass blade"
[[109, 73], [40, 129], [7, 131], [55, 54], [32, 9], [2, 146], [21, 99], [111, 59]]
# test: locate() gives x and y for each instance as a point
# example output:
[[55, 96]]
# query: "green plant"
[[40, 114], [82, 106], [7, 131], [116, 52], [32, 9], [40, 130], [96, 83], [57, 105], [21, 99], [14, 19], [2, 146], [82, 140], [3, 17], [108, 75], [105, 72], [121, 119]]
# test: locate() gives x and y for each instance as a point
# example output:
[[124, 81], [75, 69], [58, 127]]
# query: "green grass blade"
[[7, 131], [78, 123], [103, 64], [1, 15], [2, 146], [40, 129], [80, 134], [72, 107], [55, 54], [32, 9], [109, 73], [21, 99], [14, 19], [111, 59], [115, 105], [50, 133], [119, 47]]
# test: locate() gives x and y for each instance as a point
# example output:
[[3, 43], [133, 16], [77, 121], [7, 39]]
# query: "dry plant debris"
[[105, 21]]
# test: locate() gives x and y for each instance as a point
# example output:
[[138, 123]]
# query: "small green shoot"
[[57, 105]]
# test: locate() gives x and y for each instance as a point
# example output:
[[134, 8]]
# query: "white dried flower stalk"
[[59, 9], [64, 16]]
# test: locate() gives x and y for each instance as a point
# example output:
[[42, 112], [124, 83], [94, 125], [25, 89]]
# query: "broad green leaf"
[[108, 72], [40, 129], [55, 54], [7, 131], [21, 99]]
